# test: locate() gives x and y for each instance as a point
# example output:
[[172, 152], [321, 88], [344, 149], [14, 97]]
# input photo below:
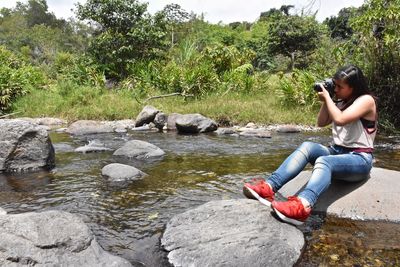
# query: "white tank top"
[[354, 135]]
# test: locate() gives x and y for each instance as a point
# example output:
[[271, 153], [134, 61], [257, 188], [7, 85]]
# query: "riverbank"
[[71, 104]]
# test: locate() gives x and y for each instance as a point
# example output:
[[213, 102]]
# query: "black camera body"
[[329, 85]]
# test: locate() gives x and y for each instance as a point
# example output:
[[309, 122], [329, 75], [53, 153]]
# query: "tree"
[[340, 26], [377, 50], [174, 16], [125, 33], [294, 35]]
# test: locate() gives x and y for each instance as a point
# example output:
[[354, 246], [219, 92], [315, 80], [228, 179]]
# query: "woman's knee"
[[322, 162]]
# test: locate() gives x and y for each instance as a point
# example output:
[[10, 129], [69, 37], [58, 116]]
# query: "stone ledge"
[[374, 199]]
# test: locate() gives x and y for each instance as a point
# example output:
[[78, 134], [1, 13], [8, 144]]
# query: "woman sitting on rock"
[[349, 158]]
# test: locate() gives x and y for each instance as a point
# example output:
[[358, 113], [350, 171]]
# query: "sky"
[[215, 11]]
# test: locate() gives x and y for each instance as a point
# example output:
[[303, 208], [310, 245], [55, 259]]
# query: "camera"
[[329, 85]]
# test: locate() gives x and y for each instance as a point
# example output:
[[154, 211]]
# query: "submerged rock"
[[117, 172], [51, 238], [139, 150], [24, 146], [231, 233], [92, 146]]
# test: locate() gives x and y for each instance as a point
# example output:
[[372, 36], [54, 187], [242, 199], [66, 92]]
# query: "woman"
[[354, 124]]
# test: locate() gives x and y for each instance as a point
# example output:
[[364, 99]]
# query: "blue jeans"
[[335, 161]]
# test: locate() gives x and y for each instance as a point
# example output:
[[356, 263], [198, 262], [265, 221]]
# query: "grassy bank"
[[72, 102]]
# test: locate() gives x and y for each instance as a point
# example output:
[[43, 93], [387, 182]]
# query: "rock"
[[195, 123], [92, 146], [121, 126], [61, 130], [24, 146], [374, 199], [147, 115], [221, 131], [51, 238], [171, 121], [139, 149], [3, 211], [256, 133], [251, 125], [288, 129], [89, 127], [50, 121], [160, 120], [231, 233], [146, 127], [120, 172]]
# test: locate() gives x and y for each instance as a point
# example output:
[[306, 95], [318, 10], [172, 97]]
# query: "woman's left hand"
[[323, 95]]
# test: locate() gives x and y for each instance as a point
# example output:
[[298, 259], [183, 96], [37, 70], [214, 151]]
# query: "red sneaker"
[[292, 210], [260, 190]]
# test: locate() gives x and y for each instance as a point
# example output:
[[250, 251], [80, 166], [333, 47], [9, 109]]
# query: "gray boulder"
[[139, 150], [146, 116], [373, 199], [51, 238], [24, 146], [231, 233], [160, 120], [121, 173], [89, 127], [171, 121], [256, 133], [195, 123], [288, 128]]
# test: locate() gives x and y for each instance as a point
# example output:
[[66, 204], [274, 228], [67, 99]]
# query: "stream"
[[129, 220]]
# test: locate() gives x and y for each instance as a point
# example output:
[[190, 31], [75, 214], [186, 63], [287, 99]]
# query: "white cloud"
[[219, 10]]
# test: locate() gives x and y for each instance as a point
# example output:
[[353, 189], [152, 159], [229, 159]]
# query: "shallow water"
[[128, 220]]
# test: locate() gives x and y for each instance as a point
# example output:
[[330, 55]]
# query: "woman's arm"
[[323, 118], [361, 107]]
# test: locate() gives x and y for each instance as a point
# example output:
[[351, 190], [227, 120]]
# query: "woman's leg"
[[307, 152], [351, 167]]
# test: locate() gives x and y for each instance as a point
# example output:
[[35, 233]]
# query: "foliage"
[[296, 89], [294, 36], [16, 78], [79, 70], [339, 25], [126, 33], [377, 50]]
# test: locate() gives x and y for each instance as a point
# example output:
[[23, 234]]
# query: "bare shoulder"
[[367, 100]]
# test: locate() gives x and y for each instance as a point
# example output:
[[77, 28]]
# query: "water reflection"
[[129, 220]]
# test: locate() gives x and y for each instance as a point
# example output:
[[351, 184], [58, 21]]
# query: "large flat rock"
[[374, 199], [238, 232], [51, 238]]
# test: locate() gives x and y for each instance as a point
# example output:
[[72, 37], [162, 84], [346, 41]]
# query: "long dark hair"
[[354, 77]]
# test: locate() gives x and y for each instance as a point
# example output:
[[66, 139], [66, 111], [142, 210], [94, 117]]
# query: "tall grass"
[[72, 102]]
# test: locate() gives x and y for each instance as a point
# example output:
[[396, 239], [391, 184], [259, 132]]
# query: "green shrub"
[[78, 69], [297, 89], [17, 78]]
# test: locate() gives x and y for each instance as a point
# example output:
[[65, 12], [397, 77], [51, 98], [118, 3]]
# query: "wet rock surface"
[[24, 146], [139, 150], [51, 238], [117, 172], [231, 233]]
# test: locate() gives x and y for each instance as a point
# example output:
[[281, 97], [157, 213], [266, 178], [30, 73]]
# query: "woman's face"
[[343, 90]]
